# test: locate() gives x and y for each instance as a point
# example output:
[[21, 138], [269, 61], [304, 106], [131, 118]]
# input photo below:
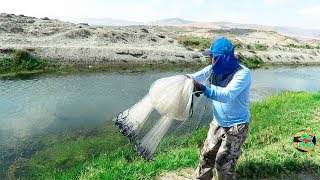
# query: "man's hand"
[[196, 85], [198, 88]]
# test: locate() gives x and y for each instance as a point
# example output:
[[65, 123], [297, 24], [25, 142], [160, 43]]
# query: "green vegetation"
[[250, 62], [256, 47], [234, 31], [268, 150], [20, 61], [237, 44], [62, 152], [204, 43], [201, 43], [303, 46], [260, 47], [194, 42]]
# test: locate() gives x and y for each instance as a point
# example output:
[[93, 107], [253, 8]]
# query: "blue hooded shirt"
[[230, 96]]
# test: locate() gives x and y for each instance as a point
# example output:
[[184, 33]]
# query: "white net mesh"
[[172, 99], [172, 96]]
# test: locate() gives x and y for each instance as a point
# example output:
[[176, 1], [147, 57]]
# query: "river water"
[[58, 103], [54, 103]]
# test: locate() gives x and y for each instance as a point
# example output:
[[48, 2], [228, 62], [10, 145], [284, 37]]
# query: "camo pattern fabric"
[[221, 149]]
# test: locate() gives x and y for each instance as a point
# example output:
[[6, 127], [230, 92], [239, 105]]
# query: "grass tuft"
[[194, 42], [21, 61]]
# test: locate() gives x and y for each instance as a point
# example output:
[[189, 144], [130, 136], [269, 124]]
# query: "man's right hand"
[[196, 85], [197, 90]]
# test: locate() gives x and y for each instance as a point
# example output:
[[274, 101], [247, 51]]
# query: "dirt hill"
[[81, 44]]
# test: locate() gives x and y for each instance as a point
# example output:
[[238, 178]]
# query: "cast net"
[[170, 104]]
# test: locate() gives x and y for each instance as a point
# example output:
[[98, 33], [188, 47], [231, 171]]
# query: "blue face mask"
[[224, 64]]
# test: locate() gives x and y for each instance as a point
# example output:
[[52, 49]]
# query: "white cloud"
[[312, 11]]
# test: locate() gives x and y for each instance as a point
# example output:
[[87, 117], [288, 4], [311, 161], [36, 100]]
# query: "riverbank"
[[21, 64], [268, 152], [27, 66]]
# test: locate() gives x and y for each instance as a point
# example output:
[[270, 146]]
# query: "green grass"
[[63, 152], [21, 60], [268, 150], [194, 42], [260, 47], [303, 46], [250, 62]]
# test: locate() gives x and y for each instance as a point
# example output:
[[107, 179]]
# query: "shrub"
[[237, 44], [21, 60], [303, 46], [194, 42], [250, 62], [19, 55], [260, 47]]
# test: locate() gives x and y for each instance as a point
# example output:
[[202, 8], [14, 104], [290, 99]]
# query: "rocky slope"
[[82, 44]]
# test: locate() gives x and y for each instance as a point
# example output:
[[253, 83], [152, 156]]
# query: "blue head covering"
[[224, 64], [223, 54]]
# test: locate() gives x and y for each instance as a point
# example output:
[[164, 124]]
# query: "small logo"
[[304, 140]]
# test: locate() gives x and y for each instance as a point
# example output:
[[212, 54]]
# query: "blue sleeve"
[[239, 82], [202, 75]]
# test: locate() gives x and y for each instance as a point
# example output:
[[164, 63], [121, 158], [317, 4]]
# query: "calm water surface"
[[59, 103], [53, 104]]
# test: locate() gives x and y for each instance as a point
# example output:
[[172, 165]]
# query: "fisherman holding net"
[[171, 101], [229, 90]]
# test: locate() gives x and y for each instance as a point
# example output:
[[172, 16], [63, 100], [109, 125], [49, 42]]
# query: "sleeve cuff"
[[208, 92], [202, 88]]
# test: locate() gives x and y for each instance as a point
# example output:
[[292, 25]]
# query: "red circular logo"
[[304, 140]]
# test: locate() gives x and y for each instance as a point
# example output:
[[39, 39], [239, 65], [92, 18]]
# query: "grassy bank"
[[268, 151], [20, 60]]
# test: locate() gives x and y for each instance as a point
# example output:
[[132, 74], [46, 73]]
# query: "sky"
[[297, 13]]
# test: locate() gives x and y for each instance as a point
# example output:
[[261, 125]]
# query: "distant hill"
[[169, 22], [103, 21], [288, 31], [298, 32]]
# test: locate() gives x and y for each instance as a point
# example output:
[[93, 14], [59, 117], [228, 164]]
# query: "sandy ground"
[[81, 44]]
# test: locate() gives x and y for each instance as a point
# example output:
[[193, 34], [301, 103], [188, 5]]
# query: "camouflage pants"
[[222, 149]]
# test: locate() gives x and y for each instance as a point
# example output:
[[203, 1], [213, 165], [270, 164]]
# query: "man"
[[229, 90]]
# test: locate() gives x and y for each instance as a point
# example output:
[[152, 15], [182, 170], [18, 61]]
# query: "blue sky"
[[298, 13]]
